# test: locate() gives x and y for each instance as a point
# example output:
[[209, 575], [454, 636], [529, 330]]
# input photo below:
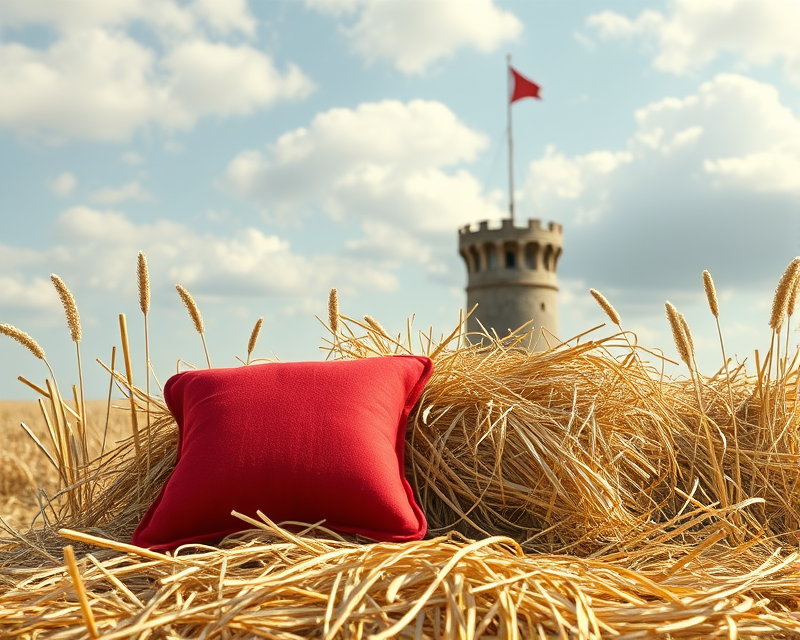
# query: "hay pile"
[[576, 492]]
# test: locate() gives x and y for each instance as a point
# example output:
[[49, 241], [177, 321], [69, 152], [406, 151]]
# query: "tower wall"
[[512, 275]]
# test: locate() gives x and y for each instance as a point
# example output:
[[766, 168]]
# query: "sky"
[[260, 153]]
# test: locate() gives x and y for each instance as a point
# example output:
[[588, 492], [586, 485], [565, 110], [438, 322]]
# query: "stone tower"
[[512, 275]]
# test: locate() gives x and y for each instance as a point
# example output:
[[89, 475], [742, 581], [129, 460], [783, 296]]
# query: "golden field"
[[23, 467]]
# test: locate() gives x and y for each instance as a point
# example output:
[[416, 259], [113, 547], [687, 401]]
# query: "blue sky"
[[260, 153]]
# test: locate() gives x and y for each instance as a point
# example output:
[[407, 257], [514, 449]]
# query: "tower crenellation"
[[512, 274]]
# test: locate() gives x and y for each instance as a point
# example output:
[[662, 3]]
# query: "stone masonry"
[[512, 275]]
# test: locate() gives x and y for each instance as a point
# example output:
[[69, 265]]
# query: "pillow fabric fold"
[[303, 442]]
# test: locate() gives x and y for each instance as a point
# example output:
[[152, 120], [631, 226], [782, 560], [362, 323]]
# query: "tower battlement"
[[507, 226], [511, 273], [490, 250]]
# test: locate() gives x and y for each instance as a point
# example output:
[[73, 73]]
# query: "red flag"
[[522, 87]]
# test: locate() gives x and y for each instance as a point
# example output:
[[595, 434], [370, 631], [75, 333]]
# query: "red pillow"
[[302, 441]]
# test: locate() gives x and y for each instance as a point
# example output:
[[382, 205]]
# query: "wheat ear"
[[70, 308], [611, 312], [24, 339], [376, 326], [678, 333], [780, 307], [711, 293], [333, 311], [791, 303], [688, 334], [143, 279], [194, 313], [251, 344], [784, 290]]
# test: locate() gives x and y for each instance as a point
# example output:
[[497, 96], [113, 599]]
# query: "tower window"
[[491, 255], [542, 306], [531, 255], [510, 254], [476, 258], [548, 258]]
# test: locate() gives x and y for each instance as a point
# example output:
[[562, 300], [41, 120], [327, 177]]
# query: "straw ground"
[[576, 492]]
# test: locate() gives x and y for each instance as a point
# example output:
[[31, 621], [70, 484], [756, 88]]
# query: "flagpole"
[[510, 144]]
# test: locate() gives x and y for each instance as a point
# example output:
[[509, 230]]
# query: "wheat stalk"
[[74, 324], [126, 354], [143, 278], [333, 311], [55, 397], [685, 345], [713, 304], [611, 312], [24, 339], [251, 344], [780, 307], [194, 313]]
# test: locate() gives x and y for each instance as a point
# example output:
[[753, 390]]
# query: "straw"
[[578, 492]]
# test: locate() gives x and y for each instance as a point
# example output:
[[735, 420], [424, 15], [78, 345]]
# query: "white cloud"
[[115, 195], [228, 16], [131, 157], [216, 78], [567, 178], [96, 81], [64, 184], [414, 35], [19, 293], [708, 181], [166, 17], [384, 242], [694, 33], [771, 170], [383, 164], [245, 263]]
